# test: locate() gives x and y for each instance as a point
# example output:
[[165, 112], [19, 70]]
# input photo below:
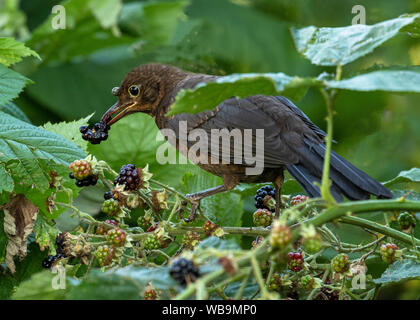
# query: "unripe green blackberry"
[[295, 261], [340, 263], [275, 283], [298, 199], [407, 221], [312, 244], [80, 169], [105, 254], [151, 243], [388, 252], [263, 217], [103, 229], [191, 239], [281, 235], [307, 282], [116, 237], [111, 207]]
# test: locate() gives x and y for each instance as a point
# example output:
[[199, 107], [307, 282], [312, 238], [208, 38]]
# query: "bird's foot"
[[195, 204]]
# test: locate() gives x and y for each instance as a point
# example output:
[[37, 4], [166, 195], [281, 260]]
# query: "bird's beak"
[[121, 110]]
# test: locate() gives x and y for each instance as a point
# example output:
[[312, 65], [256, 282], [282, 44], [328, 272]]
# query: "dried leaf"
[[19, 219]]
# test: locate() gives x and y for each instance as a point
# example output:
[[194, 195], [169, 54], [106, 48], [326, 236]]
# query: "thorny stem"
[[258, 276]]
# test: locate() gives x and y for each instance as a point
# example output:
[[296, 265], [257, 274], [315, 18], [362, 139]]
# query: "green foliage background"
[[378, 131]]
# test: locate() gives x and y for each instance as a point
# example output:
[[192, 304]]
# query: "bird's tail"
[[346, 179]]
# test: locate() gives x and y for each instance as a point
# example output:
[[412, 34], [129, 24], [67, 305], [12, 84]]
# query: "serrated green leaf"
[[70, 130], [40, 287], [400, 270], [394, 80], [206, 96], [126, 283], [6, 181], [12, 51], [11, 84], [13, 110], [342, 45], [106, 11], [412, 175], [23, 145]]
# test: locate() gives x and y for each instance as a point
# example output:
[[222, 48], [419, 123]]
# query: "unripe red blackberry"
[[298, 199], [388, 252], [80, 169], [258, 240], [340, 263], [116, 237], [263, 197], [111, 207], [209, 227], [151, 243], [150, 293], [105, 254], [191, 239], [295, 261], [262, 217], [407, 221], [184, 271], [280, 236], [103, 229], [130, 177]]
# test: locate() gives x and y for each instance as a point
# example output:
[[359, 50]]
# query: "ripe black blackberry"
[[89, 181], [183, 271], [129, 176], [48, 262], [108, 195], [97, 134], [262, 192]]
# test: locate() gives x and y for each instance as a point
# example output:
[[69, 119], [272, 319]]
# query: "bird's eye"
[[134, 91]]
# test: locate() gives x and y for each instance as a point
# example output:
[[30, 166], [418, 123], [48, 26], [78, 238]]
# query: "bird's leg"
[[278, 183], [228, 184]]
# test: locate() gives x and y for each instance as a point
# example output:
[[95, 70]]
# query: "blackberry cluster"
[[407, 221], [97, 134], [104, 254], [307, 282], [116, 237], [261, 194], [89, 181], [295, 261], [129, 176], [50, 260], [183, 271], [111, 207], [298, 199], [340, 263], [281, 236], [151, 243], [262, 217], [388, 252]]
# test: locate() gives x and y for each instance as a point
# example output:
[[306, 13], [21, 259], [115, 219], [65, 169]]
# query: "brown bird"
[[291, 141]]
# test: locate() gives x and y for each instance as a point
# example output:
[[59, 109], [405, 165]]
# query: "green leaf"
[[225, 208], [24, 145], [106, 11], [6, 181], [70, 130], [395, 80], [206, 96], [412, 175], [413, 29], [13, 110], [11, 84], [12, 51], [342, 45], [39, 287], [400, 270], [126, 283], [217, 243]]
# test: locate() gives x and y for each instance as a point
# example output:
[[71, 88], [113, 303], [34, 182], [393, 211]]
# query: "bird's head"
[[142, 90]]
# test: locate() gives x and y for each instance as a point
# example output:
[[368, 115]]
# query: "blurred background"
[[379, 132]]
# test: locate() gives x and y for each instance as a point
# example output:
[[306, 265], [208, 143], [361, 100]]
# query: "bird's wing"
[[282, 126]]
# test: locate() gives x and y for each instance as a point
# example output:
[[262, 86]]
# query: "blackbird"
[[291, 141]]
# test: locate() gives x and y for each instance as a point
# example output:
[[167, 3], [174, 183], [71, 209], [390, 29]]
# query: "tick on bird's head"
[[140, 91]]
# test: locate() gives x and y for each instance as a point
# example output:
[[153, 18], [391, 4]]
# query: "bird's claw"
[[195, 203]]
